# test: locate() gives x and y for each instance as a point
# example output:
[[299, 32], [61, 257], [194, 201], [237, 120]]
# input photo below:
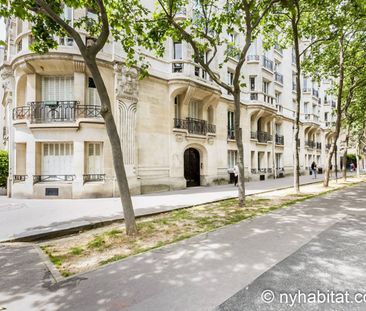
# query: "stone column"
[[78, 168]]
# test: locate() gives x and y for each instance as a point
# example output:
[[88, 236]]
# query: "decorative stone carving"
[[179, 138], [6, 76], [126, 83], [79, 66]]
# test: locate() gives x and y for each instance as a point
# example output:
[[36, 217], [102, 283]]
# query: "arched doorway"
[[192, 167]]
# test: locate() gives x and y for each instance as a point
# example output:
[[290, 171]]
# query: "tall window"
[[93, 96], [67, 15], [57, 159], [57, 88], [178, 50], [230, 77], [265, 87], [176, 107], [278, 98], [95, 155], [232, 158], [230, 120], [194, 109], [252, 83]]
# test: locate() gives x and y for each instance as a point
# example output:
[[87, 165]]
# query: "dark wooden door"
[[192, 167]]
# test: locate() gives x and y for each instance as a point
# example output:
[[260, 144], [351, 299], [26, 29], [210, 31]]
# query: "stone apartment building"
[[176, 125]]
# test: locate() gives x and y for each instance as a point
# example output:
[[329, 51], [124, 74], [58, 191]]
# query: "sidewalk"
[[22, 219], [197, 274]]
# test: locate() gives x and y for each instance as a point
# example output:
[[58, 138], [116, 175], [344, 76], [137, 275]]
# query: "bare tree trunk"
[[294, 23], [239, 143], [358, 158], [344, 162], [339, 114], [106, 112]]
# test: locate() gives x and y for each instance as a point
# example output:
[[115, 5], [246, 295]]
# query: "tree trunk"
[[239, 144], [358, 159], [106, 112], [339, 114], [344, 160], [297, 108]]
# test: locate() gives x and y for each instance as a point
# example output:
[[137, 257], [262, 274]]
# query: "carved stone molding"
[[79, 66], [126, 83], [6, 78]]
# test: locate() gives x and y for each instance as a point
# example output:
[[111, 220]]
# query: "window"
[[232, 158], [66, 41], [278, 98], [57, 159], [326, 116], [252, 83], [279, 160], [94, 158], [230, 120], [67, 15], [176, 107], [253, 48], [265, 87], [57, 88], [93, 96], [178, 50], [230, 77], [194, 109]]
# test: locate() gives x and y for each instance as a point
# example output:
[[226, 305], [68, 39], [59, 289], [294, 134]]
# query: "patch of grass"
[[55, 259], [112, 259], [98, 242], [77, 251], [114, 233]]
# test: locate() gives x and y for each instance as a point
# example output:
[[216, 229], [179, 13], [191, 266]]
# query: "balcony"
[[310, 144], [311, 117], [306, 90], [267, 63], [55, 112], [278, 49], [278, 77], [194, 126], [253, 58], [177, 67], [262, 137], [279, 140]]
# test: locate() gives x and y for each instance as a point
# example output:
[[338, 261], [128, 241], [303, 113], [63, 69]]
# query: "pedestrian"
[[352, 167], [236, 174], [314, 169]]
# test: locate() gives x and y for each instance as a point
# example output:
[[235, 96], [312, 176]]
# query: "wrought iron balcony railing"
[[310, 143], [253, 58], [93, 177], [194, 126], [50, 178], [19, 178], [267, 63], [279, 77], [262, 137], [55, 111]]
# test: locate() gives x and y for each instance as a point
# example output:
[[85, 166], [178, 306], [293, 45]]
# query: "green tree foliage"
[[4, 168]]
